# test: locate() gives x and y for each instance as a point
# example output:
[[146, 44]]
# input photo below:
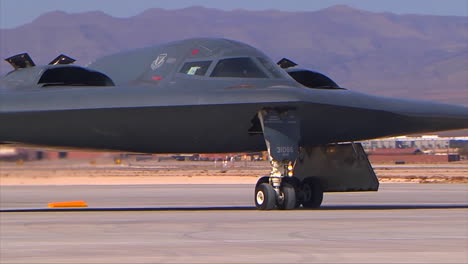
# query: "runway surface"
[[402, 223]]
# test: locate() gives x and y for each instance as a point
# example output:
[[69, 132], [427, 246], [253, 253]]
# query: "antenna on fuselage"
[[62, 59], [20, 61], [286, 63]]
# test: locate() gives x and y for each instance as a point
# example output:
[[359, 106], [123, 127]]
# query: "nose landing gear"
[[281, 133], [267, 198], [292, 194], [334, 168]]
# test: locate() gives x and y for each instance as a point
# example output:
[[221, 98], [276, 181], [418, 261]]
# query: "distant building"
[[423, 143]]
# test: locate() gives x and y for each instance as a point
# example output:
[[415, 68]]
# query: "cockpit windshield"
[[195, 67], [238, 68], [272, 68]]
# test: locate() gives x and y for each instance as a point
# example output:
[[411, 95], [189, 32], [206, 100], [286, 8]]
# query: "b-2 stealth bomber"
[[213, 96]]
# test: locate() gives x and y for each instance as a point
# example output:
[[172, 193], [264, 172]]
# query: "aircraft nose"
[[437, 116], [440, 110]]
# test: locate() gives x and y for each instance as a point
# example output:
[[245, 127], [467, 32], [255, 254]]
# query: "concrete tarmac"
[[402, 223]]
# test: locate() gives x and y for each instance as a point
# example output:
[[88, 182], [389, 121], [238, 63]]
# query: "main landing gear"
[[281, 130]]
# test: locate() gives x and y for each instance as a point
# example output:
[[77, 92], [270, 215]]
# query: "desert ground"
[[106, 171]]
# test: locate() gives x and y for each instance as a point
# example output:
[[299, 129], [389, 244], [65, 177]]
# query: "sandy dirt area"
[[172, 172]]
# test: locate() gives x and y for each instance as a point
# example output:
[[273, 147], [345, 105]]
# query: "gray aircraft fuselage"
[[194, 96]]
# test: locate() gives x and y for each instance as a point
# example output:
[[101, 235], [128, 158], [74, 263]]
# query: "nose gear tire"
[[288, 197], [265, 197]]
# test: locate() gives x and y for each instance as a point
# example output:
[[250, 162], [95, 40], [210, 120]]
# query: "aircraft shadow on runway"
[[239, 208]]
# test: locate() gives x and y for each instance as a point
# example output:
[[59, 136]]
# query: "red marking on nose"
[[157, 78], [195, 51]]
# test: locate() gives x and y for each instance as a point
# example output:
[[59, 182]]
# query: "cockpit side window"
[[238, 67], [272, 68], [195, 68]]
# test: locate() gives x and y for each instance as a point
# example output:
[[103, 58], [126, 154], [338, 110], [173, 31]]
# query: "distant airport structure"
[[425, 142]]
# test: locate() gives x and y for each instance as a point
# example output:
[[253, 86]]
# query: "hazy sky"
[[17, 12]]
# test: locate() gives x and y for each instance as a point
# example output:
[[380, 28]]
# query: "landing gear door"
[[281, 130], [339, 168]]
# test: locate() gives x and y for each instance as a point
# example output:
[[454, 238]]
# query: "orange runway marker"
[[68, 204]]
